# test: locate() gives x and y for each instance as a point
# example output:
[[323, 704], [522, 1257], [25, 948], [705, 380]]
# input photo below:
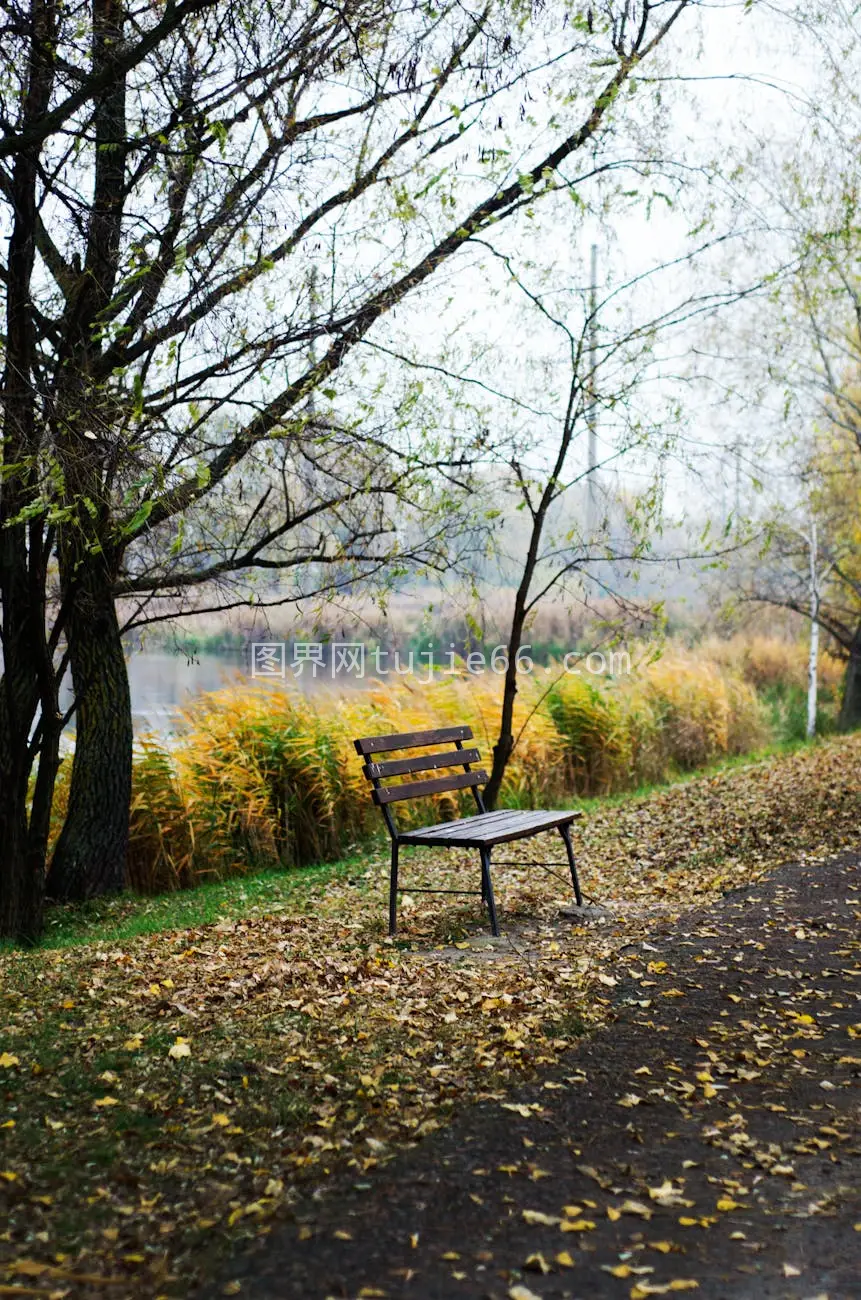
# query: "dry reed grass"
[[265, 777], [269, 777]]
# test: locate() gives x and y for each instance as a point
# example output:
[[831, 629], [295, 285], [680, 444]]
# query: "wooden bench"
[[481, 832]]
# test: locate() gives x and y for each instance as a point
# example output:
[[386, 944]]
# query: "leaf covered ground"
[[167, 1099], [707, 1141]]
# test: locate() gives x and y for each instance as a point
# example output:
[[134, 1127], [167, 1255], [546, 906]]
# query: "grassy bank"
[[269, 777], [165, 1097]]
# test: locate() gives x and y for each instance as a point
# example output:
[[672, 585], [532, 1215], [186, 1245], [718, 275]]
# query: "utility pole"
[[592, 409]]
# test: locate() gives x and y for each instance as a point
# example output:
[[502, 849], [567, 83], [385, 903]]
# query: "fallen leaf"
[[636, 1207], [537, 1216], [644, 1289]]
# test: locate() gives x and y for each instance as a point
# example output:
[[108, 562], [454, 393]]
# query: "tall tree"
[[173, 175]]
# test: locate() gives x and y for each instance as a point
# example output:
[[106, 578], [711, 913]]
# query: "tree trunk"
[[850, 709], [27, 670], [504, 746], [20, 892], [813, 658], [90, 856]]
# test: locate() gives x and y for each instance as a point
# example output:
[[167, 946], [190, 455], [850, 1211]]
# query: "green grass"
[[123, 917]]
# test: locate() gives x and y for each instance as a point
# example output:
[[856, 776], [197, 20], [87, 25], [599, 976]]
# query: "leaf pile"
[[163, 1100]]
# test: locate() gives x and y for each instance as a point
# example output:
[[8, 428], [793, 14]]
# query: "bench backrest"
[[377, 772]]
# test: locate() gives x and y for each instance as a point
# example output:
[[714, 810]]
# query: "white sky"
[[752, 77]]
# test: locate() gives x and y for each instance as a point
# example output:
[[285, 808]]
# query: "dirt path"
[[708, 1140]]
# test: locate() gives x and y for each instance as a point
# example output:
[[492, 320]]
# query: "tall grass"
[[677, 714], [266, 777]]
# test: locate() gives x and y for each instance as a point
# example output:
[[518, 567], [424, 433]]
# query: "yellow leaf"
[[8, 1175], [220, 1121], [644, 1289], [134, 1044], [789, 1270], [636, 1207], [106, 1101], [179, 1049], [371, 1293], [572, 1211], [537, 1264], [521, 1292], [613, 1214], [564, 1259], [663, 1246], [28, 1267], [7, 1060], [726, 1203], [688, 1223], [536, 1216], [576, 1225], [231, 1288]]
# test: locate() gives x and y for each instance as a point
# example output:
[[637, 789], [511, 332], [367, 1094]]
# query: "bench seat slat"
[[424, 763], [416, 789], [488, 829], [411, 740]]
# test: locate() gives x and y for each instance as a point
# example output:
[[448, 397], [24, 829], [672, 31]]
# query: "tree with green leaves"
[[209, 206]]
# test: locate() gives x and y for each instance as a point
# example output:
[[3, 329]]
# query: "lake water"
[[162, 683]]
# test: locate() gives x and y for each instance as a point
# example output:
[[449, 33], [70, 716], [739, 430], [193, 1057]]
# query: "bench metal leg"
[[565, 832], [487, 890], [393, 890]]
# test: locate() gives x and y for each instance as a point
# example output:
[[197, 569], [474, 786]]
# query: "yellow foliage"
[[265, 776]]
